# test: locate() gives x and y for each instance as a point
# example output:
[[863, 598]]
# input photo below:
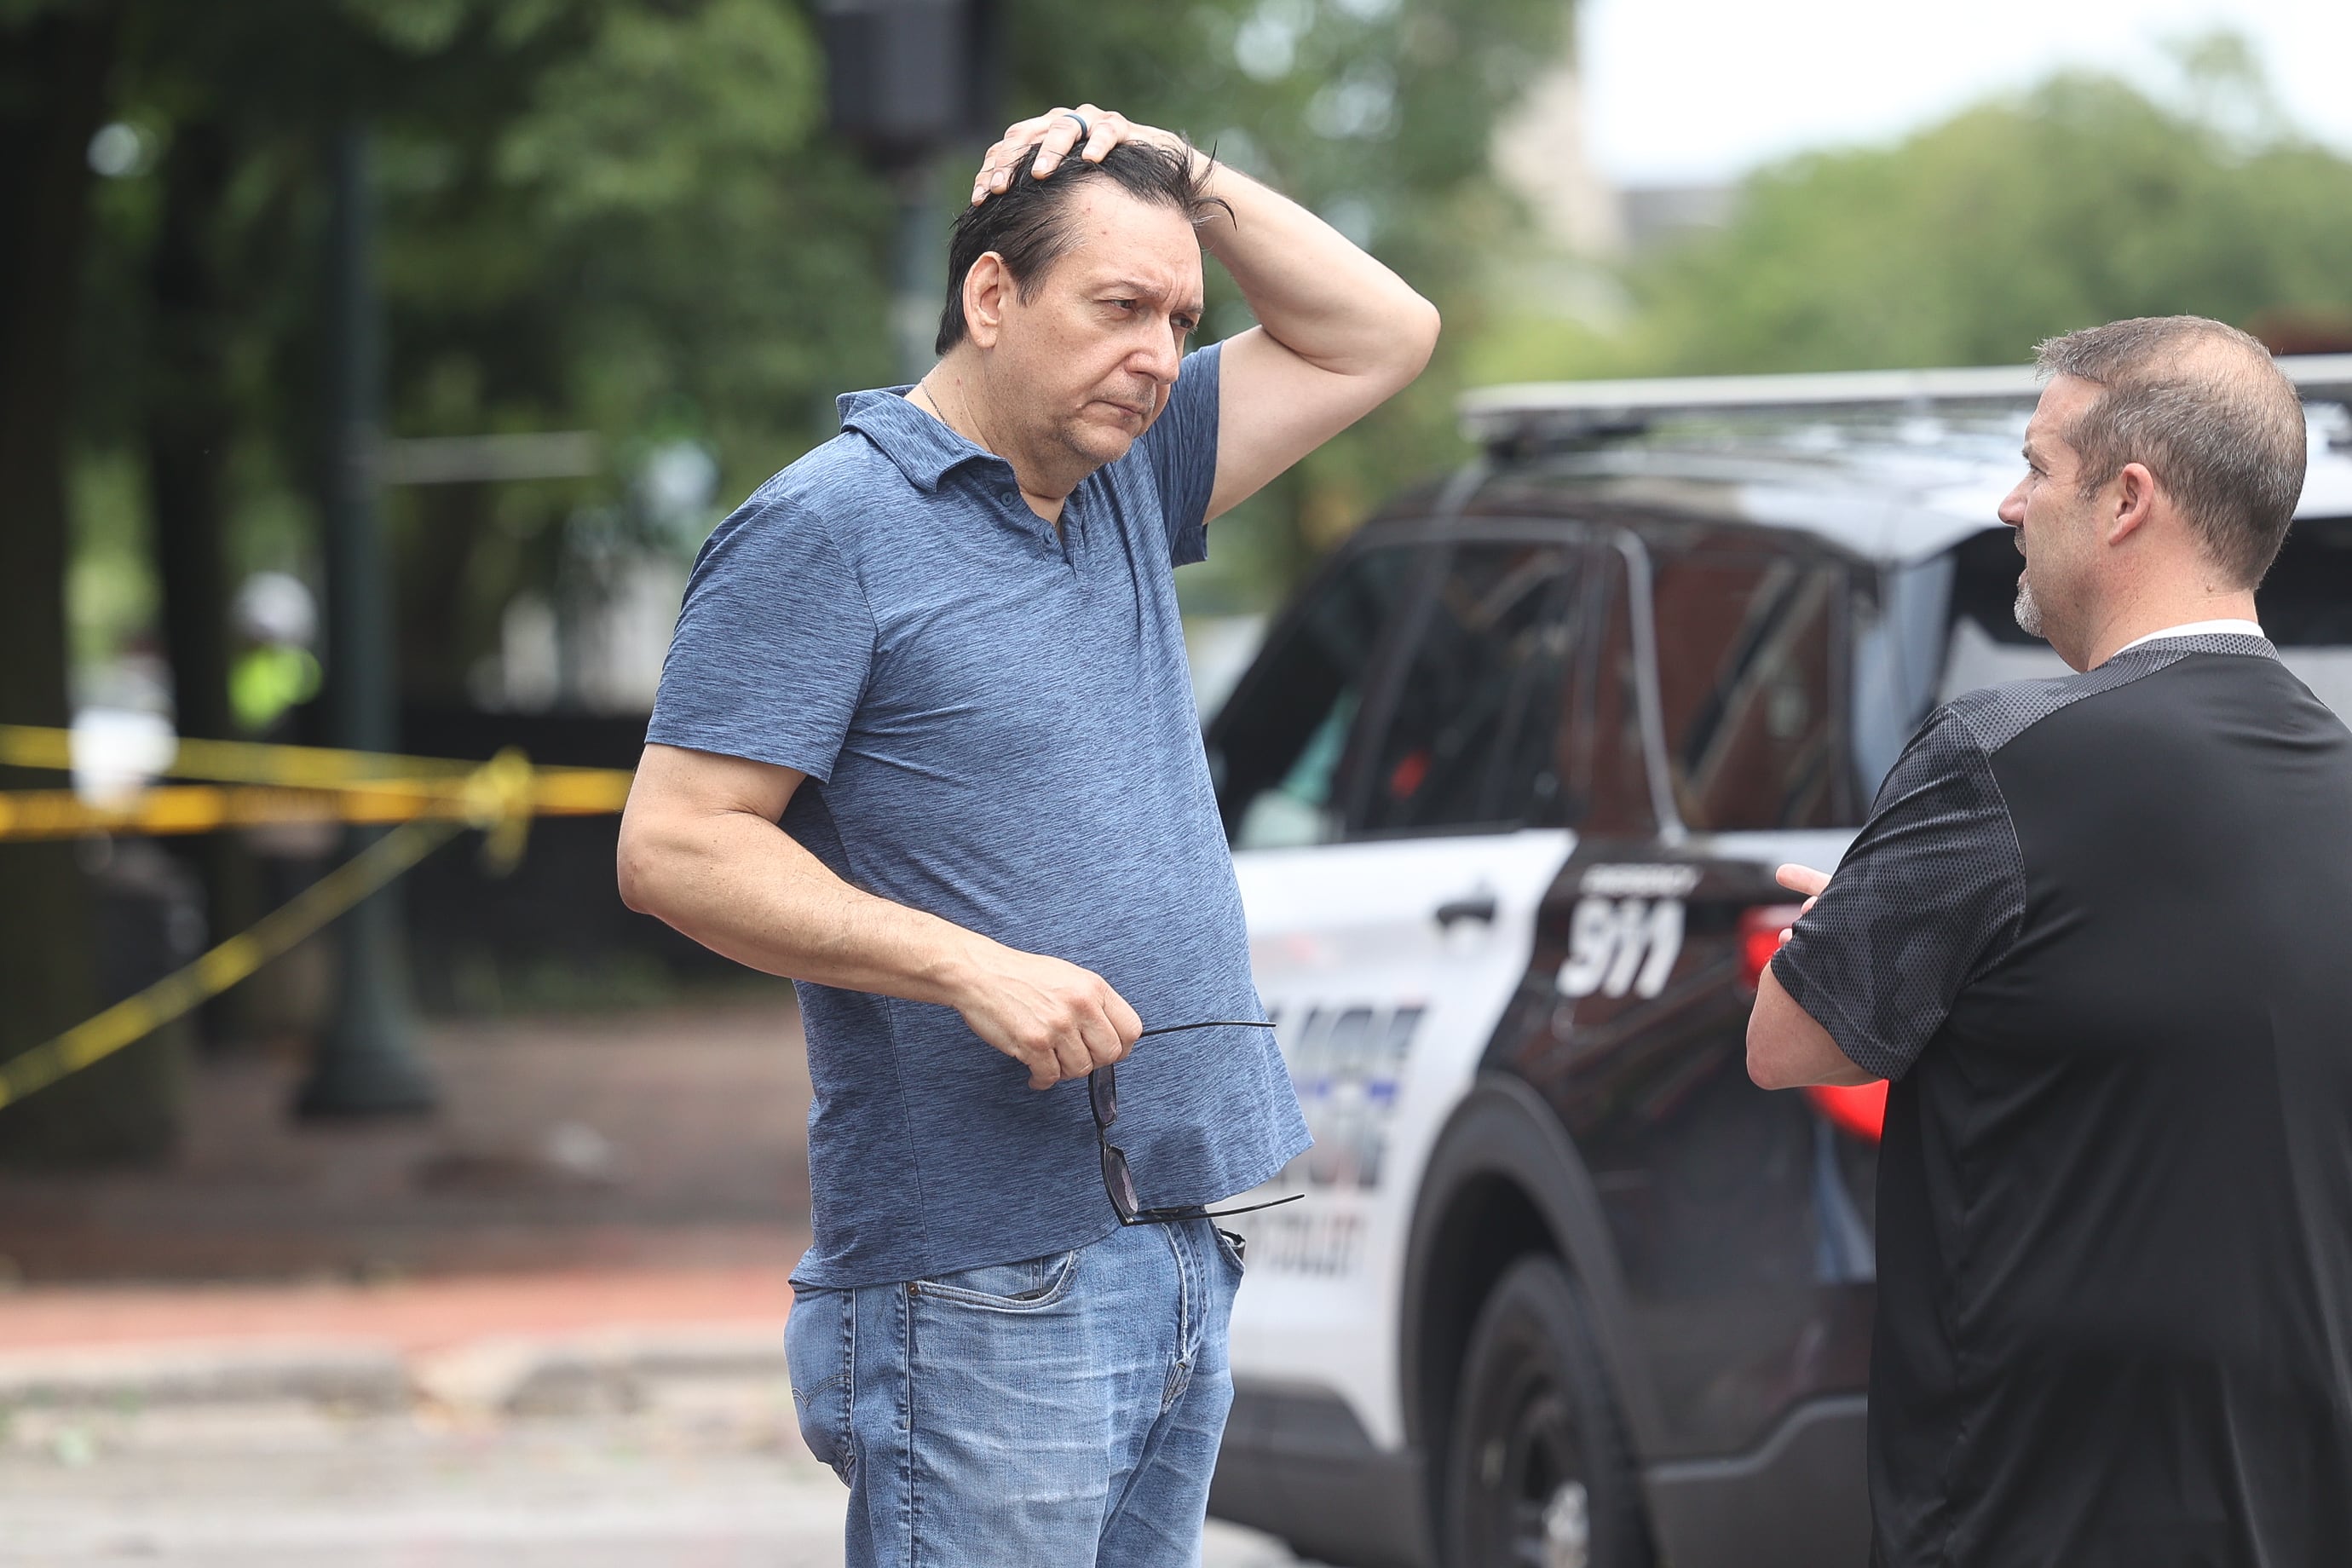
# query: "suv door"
[[1740, 1219], [1393, 831]]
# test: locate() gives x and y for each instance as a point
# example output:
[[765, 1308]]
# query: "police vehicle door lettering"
[[1616, 945], [1345, 1063], [1626, 931], [1382, 1012]]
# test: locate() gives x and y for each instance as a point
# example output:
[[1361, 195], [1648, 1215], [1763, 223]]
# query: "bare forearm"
[[700, 849], [1312, 290], [1787, 1049], [745, 888]]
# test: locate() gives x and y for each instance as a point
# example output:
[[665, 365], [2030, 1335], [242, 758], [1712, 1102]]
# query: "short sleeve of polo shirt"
[[773, 644], [1930, 895], [1183, 448]]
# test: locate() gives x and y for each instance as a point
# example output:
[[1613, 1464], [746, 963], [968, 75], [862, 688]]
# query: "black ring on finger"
[[1084, 131]]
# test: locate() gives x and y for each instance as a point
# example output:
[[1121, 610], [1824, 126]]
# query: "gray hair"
[[2212, 418]]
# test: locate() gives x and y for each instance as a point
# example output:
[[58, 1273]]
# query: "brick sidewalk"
[[666, 1138], [634, 1179], [409, 1317]]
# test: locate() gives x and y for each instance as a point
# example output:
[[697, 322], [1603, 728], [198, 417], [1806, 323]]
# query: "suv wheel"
[[1537, 1475]]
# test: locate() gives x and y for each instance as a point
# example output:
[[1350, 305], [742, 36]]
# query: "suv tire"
[[1537, 1475]]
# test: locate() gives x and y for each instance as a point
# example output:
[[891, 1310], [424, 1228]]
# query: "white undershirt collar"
[[2198, 629]]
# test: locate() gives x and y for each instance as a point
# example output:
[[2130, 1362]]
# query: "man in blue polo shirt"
[[925, 744]]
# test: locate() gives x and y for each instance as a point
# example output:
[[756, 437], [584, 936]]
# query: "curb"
[[610, 1370], [511, 1375], [352, 1372]]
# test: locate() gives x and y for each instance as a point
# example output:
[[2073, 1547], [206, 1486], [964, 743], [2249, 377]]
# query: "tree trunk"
[[186, 431], [53, 73]]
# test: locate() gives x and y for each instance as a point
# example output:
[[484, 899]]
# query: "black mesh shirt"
[[2099, 931]]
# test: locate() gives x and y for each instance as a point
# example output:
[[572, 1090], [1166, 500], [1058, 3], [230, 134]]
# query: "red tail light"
[[1861, 1111], [1760, 939]]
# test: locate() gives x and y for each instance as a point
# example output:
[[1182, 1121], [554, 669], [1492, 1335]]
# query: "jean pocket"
[[819, 1351], [1233, 1246], [1030, 1286]]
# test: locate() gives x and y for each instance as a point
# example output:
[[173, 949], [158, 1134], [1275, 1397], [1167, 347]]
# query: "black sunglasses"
[[1119, 1181]]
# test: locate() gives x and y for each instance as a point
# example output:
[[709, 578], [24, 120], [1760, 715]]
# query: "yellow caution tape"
[[202, 808], [432, 798], [134, 1017], [239, 762], [306, 783]]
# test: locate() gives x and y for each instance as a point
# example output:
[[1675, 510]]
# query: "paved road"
[[705, 1473]]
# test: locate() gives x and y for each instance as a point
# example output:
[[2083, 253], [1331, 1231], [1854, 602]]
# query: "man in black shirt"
[[2098, 931]]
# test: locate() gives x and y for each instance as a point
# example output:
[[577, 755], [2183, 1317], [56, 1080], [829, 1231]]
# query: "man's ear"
[[2135, 496], [987, 291]]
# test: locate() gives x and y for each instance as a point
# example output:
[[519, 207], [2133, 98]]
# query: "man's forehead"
[[1148, 244], [2065, 397]]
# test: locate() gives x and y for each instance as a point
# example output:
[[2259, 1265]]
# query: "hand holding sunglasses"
[[1119, 1181]]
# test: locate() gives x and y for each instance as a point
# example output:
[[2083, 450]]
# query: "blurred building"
[[1541, 154]]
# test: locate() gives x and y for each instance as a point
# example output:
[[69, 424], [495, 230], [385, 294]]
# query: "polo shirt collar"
[[924, 448]]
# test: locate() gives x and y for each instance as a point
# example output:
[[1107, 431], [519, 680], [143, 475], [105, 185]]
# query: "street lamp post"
[[907, 80], [367, 1063]]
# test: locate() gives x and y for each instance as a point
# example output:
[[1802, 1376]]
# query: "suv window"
[[1469, 741], [2305, 605], [1745, 648], [1609, 768], [1276, 749]]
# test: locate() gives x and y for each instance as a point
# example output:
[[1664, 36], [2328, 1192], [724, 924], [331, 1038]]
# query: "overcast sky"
[[1701, 91]]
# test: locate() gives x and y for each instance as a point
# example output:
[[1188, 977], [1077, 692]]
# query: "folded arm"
[[1787, 1047]]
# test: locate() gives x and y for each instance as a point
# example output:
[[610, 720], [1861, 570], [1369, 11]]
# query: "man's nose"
[[1160, 361], [2011, 510]]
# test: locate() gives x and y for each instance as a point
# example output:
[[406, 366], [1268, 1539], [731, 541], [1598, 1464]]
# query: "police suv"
[[1505, 788]]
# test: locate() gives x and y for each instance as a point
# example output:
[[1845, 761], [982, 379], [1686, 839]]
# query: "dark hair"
[[1027, 225], [2203, 407]]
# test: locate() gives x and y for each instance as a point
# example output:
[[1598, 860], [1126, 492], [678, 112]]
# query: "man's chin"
[[1100, 443], [2028, 610]]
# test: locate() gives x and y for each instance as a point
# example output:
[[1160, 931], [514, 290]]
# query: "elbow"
[[633, 869], [1398, 344], [1418, 340], [1764, 1068]]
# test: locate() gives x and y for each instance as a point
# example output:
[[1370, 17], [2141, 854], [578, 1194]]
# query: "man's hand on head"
[[1338, 333], [1054, 1018], [1056, 135]]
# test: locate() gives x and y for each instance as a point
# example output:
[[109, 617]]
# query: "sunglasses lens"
[[1102, 1088], [1118, 1182]]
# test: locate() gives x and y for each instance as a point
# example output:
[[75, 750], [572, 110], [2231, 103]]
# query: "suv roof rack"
[[1567, 410]]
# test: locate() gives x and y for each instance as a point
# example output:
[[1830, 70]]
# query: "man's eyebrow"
[[1138, 289]]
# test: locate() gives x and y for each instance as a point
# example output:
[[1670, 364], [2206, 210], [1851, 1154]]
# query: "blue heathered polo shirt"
[[997, 728]]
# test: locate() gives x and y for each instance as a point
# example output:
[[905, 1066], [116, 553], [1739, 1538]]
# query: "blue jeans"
[[1060, 1413]]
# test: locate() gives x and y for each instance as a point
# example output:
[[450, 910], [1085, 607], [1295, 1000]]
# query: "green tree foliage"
[[612, 215], [2083, 200], [627, 217]]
